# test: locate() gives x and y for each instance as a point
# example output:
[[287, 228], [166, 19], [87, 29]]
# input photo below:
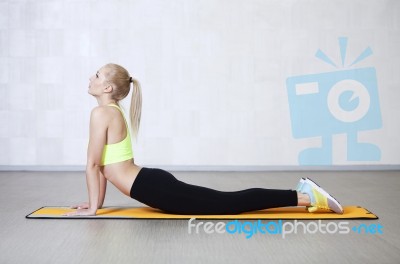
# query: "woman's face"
[[97, 83]]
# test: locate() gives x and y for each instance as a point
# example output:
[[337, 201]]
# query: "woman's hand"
[[84, 205], [81, 212]]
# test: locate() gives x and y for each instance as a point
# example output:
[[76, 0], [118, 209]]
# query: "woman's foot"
[[318, 197]]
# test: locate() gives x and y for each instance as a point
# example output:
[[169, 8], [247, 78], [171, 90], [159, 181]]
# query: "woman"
[[110, 158]]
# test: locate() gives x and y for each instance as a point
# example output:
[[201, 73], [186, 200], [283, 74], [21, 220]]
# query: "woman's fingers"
[[70, 213], [84, 205], [79, 212]]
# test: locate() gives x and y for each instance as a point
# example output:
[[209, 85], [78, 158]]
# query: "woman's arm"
[[93, 186], [94, 178], [103, 188]]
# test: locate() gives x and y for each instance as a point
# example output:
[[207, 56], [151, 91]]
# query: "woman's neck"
[[105, 102]]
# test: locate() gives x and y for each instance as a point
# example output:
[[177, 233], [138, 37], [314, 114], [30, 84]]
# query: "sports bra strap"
[[116, 106]]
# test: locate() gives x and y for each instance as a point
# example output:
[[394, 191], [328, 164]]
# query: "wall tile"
[[75, 151], [22, 123], [21, 14], [50, 151], [50, 43], [21, 97], [77, 43], [76, 124], [49, 97], [49, 14], [22, 43], [49, 124], [4, 124], [4, 97], [4, 48], [4, 15], [22, 70], [49, 70], [4, 66], [22, 151]]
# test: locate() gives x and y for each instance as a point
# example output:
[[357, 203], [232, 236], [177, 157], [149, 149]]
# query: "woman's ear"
[[108, 88]]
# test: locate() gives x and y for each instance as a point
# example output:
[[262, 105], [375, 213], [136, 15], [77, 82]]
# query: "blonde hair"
[[121, 80]]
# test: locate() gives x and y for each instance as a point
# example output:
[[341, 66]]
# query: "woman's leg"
[[160, 189], [303, 199]]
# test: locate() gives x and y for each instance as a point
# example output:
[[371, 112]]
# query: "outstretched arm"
[[96, 182], [103, 188]]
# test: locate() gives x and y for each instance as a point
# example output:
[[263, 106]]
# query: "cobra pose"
[[110, 158]]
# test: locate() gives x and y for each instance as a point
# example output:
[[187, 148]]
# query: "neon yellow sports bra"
[[121, 151]]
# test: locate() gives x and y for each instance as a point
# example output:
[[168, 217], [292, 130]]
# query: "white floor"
[[168, 241]]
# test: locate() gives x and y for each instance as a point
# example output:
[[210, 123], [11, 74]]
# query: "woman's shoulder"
[[102, 112]]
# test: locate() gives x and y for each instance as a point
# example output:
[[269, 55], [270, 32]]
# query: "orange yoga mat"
[[350, 212]]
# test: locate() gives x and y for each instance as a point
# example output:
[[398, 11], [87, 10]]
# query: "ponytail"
[[136, 107]]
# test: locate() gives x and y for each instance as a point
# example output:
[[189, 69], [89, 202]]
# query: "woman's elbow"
[[92, 166]]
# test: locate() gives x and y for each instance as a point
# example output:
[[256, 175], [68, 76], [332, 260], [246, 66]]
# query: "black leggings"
[[160, 189]]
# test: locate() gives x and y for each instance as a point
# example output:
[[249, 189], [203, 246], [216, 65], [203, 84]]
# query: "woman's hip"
[[149, 180]]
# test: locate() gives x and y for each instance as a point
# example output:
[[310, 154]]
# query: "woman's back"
[[118, 145], [117, 162]]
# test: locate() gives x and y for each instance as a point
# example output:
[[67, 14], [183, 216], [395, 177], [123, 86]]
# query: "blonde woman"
[[110, 158]]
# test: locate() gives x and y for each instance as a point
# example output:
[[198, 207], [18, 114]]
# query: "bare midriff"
[[121, 174]]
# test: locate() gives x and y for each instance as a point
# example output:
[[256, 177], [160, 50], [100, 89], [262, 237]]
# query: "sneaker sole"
[[319, 188]]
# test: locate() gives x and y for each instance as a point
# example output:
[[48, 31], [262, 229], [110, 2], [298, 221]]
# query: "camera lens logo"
[[342, 101], [348, 109]]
